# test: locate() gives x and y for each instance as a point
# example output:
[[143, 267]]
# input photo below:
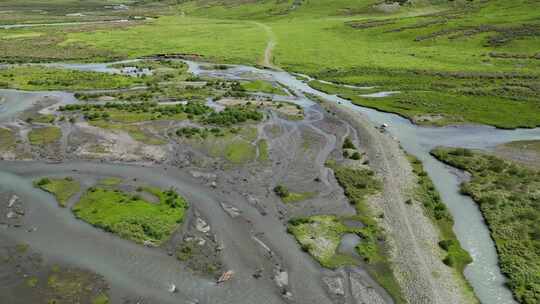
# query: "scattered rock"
[[202, 226], [230, 210], [13, 200], [282, 278], [335, 285]]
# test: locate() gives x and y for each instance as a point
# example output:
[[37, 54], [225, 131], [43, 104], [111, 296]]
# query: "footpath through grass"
[[509, 198]]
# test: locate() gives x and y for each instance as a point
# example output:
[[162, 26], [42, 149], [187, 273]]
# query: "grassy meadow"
[[454, 62], [131, 216]]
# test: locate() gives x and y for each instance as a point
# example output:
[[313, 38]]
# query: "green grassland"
[[44, 78], [459, 60], [508, 196], [57, 11], [62, 188], [130, 216], [44, 136], [217, 40], [263, 87]]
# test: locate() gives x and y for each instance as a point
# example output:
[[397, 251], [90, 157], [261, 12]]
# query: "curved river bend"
[[484, 273]]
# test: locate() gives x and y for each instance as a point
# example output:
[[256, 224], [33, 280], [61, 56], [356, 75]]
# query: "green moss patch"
[[320, 236], [262, 146], [130, 216], [110, 181], [294, 197], [62, 188], [7, 140], [44, 136], [263, 87]]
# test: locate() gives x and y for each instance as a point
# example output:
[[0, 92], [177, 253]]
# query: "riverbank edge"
[[490, 228], [411, 289], [410, 119], [445, 234]]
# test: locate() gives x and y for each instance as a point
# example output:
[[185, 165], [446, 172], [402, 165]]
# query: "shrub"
[[44, 181], [348, 144], [356, 156], [281, 191]]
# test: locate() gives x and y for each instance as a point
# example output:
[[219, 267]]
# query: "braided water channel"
[[483, 273]]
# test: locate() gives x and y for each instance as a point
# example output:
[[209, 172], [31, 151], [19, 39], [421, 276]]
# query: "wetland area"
[[159, 175]]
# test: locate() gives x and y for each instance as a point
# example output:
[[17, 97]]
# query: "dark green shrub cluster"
[[348, 144], [429, 197], [44, 181], [233, 115], [357, 183], [193, 108], [190, 132], [281, 191]]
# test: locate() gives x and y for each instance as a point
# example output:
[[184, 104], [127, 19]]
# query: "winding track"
[[272, 42]]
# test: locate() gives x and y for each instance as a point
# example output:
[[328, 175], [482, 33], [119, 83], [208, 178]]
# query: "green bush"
[[348, 144], [281, 191]]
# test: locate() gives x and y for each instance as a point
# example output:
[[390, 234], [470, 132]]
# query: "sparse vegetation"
[[426, 194], [320, 237], [358, 184], [294, 197], [62, 188], [7, 140], [44, 136]]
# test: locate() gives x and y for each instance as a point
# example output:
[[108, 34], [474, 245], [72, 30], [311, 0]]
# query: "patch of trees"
[[233, 115]]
